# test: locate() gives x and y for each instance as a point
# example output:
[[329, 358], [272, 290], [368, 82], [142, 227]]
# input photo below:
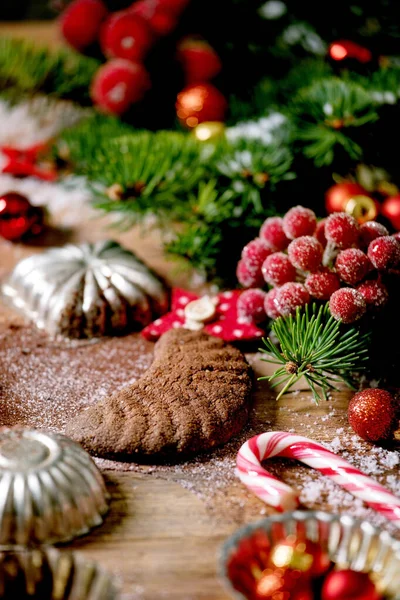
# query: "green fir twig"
[[313, 345]]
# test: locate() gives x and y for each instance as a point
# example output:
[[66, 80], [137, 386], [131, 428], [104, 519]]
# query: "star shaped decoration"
[[216, 315], [27, 162]]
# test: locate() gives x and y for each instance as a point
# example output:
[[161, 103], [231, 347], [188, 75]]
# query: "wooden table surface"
[[160, 537]]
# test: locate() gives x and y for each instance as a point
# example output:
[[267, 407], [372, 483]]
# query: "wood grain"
[[160, 538]]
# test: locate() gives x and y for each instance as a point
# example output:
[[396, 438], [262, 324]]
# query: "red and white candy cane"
[[282, 497]]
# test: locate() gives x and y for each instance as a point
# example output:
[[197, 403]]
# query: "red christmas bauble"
[[80, 22], [339, 194], [300, 555], [372, 413], [285, 583], [344, 49], [125, 35], [349, 585], [391, 210], [199, 103], [199, 60], [18, 218], [118, 84]]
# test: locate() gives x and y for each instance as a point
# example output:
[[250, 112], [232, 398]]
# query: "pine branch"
[[315, 346]]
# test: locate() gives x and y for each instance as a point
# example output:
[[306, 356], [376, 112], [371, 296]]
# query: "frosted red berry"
[[322, 284], [320, 232], [384, 252], [372, 414], [272, 232], [290, 296], [125, 35], [118, 84], [352, 265], [342, 230], [250, 306], [306, 253], [270, 306], [299, 221], [80, 22], [277, 269], [370, 231], [347, 305], [397, 235], [255, 252], [374, 293], [248, 275]]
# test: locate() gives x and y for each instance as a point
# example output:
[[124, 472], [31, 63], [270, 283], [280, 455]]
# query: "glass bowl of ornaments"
[[307, 555]]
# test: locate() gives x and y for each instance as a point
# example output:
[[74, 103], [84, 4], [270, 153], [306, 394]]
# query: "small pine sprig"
[[314, 345]]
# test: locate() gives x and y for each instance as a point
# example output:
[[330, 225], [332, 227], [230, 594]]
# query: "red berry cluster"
[[125, 38], [335, 259]]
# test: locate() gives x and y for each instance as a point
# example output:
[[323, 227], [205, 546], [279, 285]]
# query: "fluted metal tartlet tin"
[[84, 291], [351, 544], [50, 489], [50, 574]]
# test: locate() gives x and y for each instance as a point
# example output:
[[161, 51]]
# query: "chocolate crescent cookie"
[[194, 396]]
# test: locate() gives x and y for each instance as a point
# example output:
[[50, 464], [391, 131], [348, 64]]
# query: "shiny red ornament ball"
[[80, 22], [347, 305], [391, 210], [347, 584], [199, 60], [199, 103], [372, 413], [125, 35], [118, 84], [339, 194], [18, 218], [344, 49]]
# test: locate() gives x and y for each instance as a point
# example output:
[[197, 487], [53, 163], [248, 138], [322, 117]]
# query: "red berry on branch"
[[347, 584], [347, 305], [370, 231], [277, 269], [322, 284], [290, 296], [372, 414], [391, 210], [339, 194], [272, 232], [250, 306], [299, 221], [384, 252], [320, 233], [342, 230], [270, 305], [248, 275], [396, 236], [255, 252], [199, 103], [352, 265], [374, 293], [18, 218], [199, 60], [118, 84], [125, 35], [80, 22], [306, 253]]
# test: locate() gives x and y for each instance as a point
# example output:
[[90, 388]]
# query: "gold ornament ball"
[[362, 208], [209, 131]]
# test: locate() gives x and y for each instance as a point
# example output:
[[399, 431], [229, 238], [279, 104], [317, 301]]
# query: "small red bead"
[[299, 221], [347, 305], [384, 252], [250, 306], [272, 232], [290, 296], [342, 230], [322, 284], [374, 293], [277, 269], [270, 305], [306, 253], [352, 265]]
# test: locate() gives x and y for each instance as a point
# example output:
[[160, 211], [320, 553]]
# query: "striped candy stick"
[[282, 497]]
